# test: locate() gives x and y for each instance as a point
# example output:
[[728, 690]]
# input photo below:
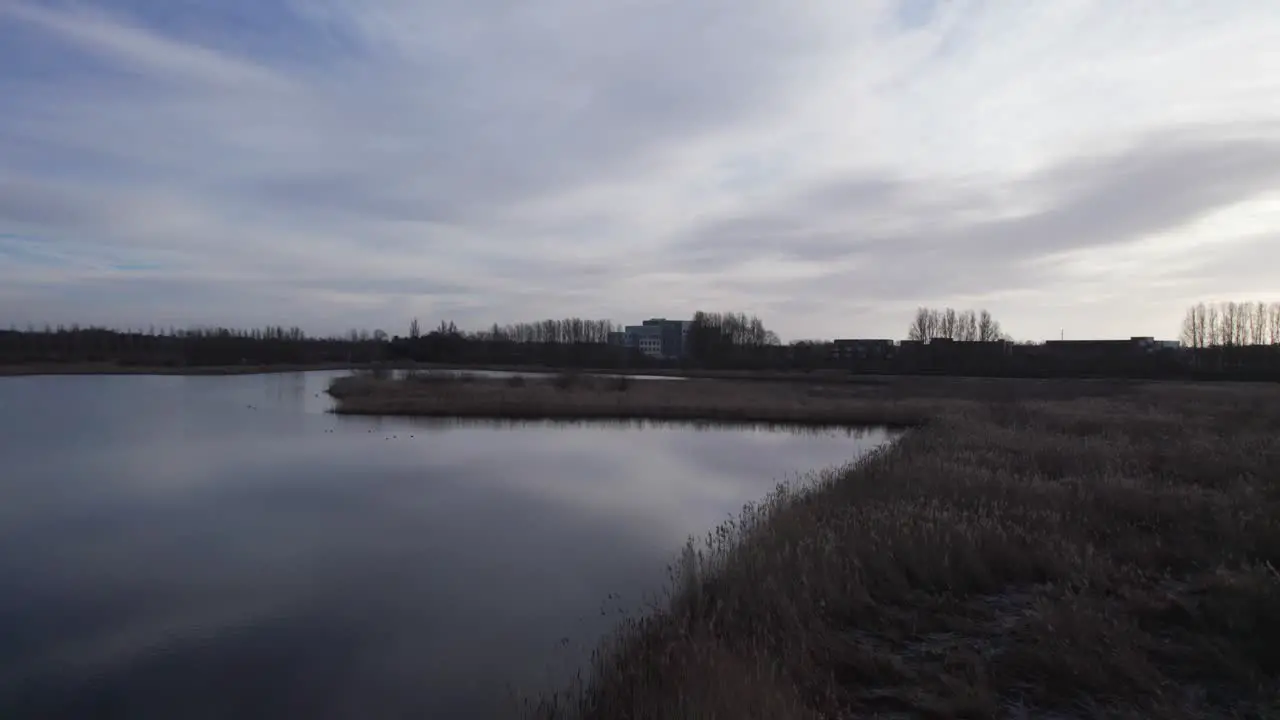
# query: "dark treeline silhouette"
[[1231, 340], [729, 340], [571, 331], [714, 340], [1231, 324], [194, 347], [963, 326], [570, 342]]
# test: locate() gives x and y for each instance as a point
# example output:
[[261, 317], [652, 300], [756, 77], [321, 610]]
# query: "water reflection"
[[225, 547], [443, 424], [501, 374]]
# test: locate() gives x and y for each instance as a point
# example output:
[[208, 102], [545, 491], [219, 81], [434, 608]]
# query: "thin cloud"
[[119, 42]]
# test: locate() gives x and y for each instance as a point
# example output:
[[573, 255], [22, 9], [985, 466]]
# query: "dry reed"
[[1066, 550], [589, 397], [1091, 557]]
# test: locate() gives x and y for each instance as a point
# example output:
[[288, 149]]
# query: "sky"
[[1081, 168]]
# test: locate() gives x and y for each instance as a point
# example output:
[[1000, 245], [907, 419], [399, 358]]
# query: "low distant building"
[[862, 349], [645, 338], [659, 337], [1095, 348], [675, 336]]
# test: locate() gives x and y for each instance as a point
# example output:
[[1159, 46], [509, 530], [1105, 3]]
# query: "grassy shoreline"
[[580, 397], [825, 375], [1064, 549], [1039, 556]]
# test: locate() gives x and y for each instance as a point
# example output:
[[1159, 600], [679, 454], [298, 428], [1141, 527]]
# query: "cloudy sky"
[[1079, 167]]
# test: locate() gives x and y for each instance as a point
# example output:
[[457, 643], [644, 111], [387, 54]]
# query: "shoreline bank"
[[580, 397], [1038, 555]]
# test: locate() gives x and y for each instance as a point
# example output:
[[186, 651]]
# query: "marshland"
[[1096, 551], [586, 396], [519, 545], [1044, 549]]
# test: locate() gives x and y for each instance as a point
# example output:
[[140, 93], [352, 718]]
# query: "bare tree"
[[968, 326], [1258, 324], [988, 328], [1202, 325], [920, 325], [1188, 333], [1240, 322], [948, 323], [1244, 315], [415, 330], [1195, 327], [1213, 326], [1227, 324], [1231, 324]]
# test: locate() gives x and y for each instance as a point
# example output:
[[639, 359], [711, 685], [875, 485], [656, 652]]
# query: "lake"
[[224, 547]]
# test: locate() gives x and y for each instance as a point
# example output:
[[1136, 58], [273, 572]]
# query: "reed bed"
[[1048, 550], [595, 397], [1067, 558]]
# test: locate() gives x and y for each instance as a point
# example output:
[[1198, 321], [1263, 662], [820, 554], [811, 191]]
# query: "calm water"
[[222, 547]]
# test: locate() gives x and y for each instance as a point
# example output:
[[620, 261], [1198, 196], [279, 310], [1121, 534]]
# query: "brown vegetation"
[[1041, 556], [1062, 549], [573, 396]]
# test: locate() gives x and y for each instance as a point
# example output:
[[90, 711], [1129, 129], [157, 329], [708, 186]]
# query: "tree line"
[[736, 329], [188, 347], [727, 339], [710, 328], [1230, 339], [559, 331], [950, 324], [565, 342], [713, 339], [1231, 324]]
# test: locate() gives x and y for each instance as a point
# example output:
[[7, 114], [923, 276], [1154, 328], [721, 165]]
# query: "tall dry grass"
[[576, 396], [1024, 555]]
